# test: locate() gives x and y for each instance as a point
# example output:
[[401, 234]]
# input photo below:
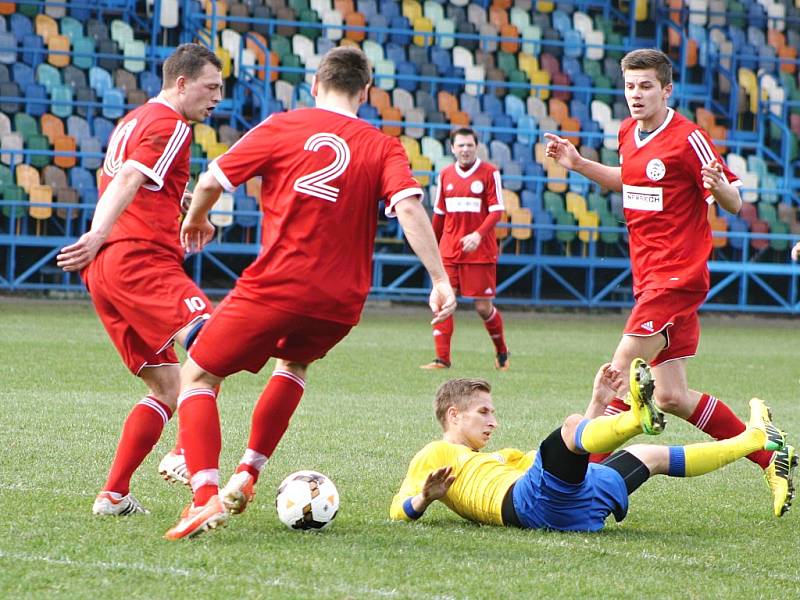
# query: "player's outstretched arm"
[[564, 153], [420, 236], [196, 229], [434, 488], [115, 199]]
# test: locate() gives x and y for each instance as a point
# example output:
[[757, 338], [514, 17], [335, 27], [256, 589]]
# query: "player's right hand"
[[196, 232], [796, 252], [437, 484], [76, 256], [561, 150], [442, 301]]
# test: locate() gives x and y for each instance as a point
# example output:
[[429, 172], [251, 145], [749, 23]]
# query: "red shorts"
[[473, 280], [143, 298], [672, 313], [243, 334]]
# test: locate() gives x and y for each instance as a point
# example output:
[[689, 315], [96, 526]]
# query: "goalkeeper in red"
[[556, 487], [669, 173]]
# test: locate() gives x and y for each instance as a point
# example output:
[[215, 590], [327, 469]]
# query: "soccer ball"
[[307, 500]]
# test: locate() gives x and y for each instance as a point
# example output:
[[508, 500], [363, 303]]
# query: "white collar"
[[641, 142], [472, 169]]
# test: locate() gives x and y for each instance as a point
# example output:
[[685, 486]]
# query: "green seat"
[[13, 193], [26, 125], [780, 228], [61, 97], [280, 46], [517, 76], [554, 203], [38, 142], [615, 39], [603, 82], [609, 157], [309, 16], [767, 212], [196, 168], [592, 68], [299, 5], [291, 60], [70, 27], [770, 185], [599, 204], [83, 45], [506, 62], [29, 10], [48, 76], [6, 176], [686, 112], [609, 237], [566, 235], [134, 51]]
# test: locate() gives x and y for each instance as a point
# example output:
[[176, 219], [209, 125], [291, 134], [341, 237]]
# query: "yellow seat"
[[528, 64], [749, 82], [411, 147], [223, 218], [576, 204], [540, 78], [222, 10], [225, 58], [422, 163], [521, 216], [45, 27], [412, 9], [41, 194], [588, 219], [253, 187], [556, 171], [27, 177], [423, 25], [545, 7], [501, 233], [510, 200], [216, 149], [204, 136]]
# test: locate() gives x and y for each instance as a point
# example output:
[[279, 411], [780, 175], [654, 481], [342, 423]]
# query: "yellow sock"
[[710, 456], [607, 433]]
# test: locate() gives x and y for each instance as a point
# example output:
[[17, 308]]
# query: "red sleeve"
[[438, 226], [160, 143], [397, 182], [492, 219], [246, 158], [702, 153], [494, 192]]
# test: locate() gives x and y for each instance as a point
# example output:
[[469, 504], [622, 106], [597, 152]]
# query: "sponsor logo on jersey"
[[647, 326], [637, 197], [476, 187], [463, 204], [655, 170]]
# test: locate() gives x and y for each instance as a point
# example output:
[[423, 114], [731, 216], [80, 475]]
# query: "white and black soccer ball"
[[307, 500]]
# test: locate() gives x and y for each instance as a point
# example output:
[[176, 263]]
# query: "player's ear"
[[452, 413], [667, 91], [314, 86]]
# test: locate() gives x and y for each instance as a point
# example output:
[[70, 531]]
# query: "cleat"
[[238, 492], [197, 519], [780, 479], [502, 361], [106, 505], [173, 468], [436, 363], [640, 397], [761, 419]]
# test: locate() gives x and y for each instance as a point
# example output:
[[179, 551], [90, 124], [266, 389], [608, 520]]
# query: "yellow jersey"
[[481, 479]]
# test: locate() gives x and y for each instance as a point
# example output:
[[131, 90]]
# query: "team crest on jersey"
[[476, 187], [655, 170], [449, 187]]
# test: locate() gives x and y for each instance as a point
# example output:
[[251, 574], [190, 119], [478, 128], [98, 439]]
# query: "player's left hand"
[[76, 256], [196, 232], [712, 175], [470, 242], [442, 301], [796, 252], [607, 383]]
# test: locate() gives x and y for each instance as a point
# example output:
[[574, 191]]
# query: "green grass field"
[[366, 411]]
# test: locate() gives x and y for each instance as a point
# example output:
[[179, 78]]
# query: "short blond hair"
[[458, 393]]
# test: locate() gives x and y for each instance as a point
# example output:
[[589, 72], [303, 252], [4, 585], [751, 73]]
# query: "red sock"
[[717, 420], [178, 449], [140, 433], [494, 325], [200, 434], [616, 406], [442, 332], [270, 419]]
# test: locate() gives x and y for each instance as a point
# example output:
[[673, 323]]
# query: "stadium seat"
[[26, 176], [32, 49]]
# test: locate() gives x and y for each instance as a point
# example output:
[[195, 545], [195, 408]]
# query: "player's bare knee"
[[295, 368], [484, 308], [655, 458], [672, 401], [568, 430]]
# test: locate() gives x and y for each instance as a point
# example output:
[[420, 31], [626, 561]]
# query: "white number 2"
[[316, 183]]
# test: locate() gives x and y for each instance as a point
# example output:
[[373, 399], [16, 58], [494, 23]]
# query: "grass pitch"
[[366, 411]]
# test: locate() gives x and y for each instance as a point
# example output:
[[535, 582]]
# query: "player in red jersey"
[[131, 259], [670, 171], [468, 205], [322, 170]]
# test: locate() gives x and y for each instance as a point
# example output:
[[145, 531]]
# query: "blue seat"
[[492, 105], [455, 87], [512, 176], [80, 13], [377, 22], [83, 49], [571, 66], [3, 24], [324, 44], [150, 83], [8, 40], [390, 9], [573, 44], [32, 49], [113, 103], [522, 152], [23, 75], [406, 68], [244, 203], [469, 104], [93, 145], [579, 110], [368, 112], [543, 217], [527, 130], [395, 52], [61, 97], [736, 36], [402, 38], [368, 8], [531, 170], [589, 126], [36, 99], [514, 107], [442, 58], [756, 16], [99, 80], [78, 128], [499, 153], [748, 57], [561, 22], [102, 129], [20, 25], [531, 201], [505, 122]]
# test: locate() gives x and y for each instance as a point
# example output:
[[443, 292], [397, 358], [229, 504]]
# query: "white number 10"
[[316, 183]]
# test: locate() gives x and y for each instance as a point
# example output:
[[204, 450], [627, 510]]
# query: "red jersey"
[[322, 174], [464, 198], [666, 204], [155, 139]]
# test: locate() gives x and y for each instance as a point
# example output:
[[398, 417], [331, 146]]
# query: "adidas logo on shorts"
[[647, 326]]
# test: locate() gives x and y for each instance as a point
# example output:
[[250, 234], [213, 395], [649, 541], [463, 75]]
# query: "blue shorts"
[[543, 501]]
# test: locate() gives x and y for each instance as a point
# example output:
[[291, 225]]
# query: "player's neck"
[[466, 168], [337, 103], [171, 97], [655, 121]]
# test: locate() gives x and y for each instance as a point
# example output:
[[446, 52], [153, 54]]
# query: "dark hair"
[[458, 393], [649, 58], [187, 60], [344, 69], [463, 131]]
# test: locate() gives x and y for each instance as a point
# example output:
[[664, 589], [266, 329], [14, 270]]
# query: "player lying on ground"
[[556, 487]]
